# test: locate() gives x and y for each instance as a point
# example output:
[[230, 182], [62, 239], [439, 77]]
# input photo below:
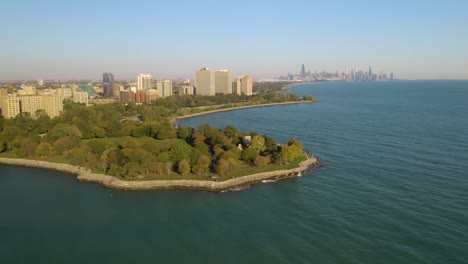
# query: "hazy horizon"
[[171, 40]]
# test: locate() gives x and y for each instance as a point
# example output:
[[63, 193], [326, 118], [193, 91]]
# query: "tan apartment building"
[[205, 79], [223, 82], [30, 104], [246, 85], [10, 106], [53, 105]]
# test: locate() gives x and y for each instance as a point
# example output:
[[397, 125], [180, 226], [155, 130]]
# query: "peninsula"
[[135, 147]]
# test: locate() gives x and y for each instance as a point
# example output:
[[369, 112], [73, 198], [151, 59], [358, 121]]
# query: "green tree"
[[185, 132], [44, 149], [63, 144], [2, 146], [202, 165], [184, 167], [28, 147], [249, 154], [261, 161], [258, 143], [63, 130], [230, 131], [222, 167]]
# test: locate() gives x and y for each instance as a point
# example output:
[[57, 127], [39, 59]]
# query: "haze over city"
[[172, 39]]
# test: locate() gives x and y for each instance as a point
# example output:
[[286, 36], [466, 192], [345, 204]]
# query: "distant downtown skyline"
[[60, 40]]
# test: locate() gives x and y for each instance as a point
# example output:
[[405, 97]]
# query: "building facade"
[[140, 96], [166, 88], [53, 105], [30, 104], [205, 80], [80, 97], [127, 96], [151, 95], [10, 107], [237, 87], [223, 82], [246, 85], [144, 82]]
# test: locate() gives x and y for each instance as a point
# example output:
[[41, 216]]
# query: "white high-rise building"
[[205, 79], [223, 82], [40, 82], [166, 88], [144, 82]]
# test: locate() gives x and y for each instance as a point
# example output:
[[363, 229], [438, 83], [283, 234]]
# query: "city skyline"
[[65, 41]]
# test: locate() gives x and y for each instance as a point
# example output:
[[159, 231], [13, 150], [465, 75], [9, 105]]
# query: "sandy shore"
[[237, 108], [85, 175]]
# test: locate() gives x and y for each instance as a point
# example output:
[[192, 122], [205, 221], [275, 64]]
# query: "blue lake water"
[[393, 190]]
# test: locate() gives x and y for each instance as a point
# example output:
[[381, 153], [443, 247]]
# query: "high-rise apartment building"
[[40, 82], [205, 79], [223, 82], [166, 88], [10, 106], [237, 88], [144, 82], [53, 105], [246, 85], [80, 97], [108, 84], [30, 104]]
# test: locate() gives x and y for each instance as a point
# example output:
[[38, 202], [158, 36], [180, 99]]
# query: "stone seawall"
[[85, 175]]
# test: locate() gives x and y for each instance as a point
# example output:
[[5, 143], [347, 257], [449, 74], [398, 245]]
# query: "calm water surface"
[[393, 190]]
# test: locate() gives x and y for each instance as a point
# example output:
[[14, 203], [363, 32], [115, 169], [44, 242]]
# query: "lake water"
[[393, 190]]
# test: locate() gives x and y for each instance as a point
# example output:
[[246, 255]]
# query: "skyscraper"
[[108, 84], [303, 71], [205, 79], [144, 82], [223, 82]]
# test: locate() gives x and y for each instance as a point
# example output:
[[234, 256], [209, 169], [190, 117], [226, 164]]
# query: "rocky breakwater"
[[85, 175]]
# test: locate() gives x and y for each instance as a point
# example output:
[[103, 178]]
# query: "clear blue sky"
[[171, 39]]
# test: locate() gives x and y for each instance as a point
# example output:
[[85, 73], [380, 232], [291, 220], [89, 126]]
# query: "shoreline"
[[85, 175], [175, 119]]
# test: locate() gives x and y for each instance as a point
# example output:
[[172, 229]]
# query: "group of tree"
[[137, 140]]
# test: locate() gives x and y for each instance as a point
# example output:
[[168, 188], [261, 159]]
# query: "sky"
[[60, 40]]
